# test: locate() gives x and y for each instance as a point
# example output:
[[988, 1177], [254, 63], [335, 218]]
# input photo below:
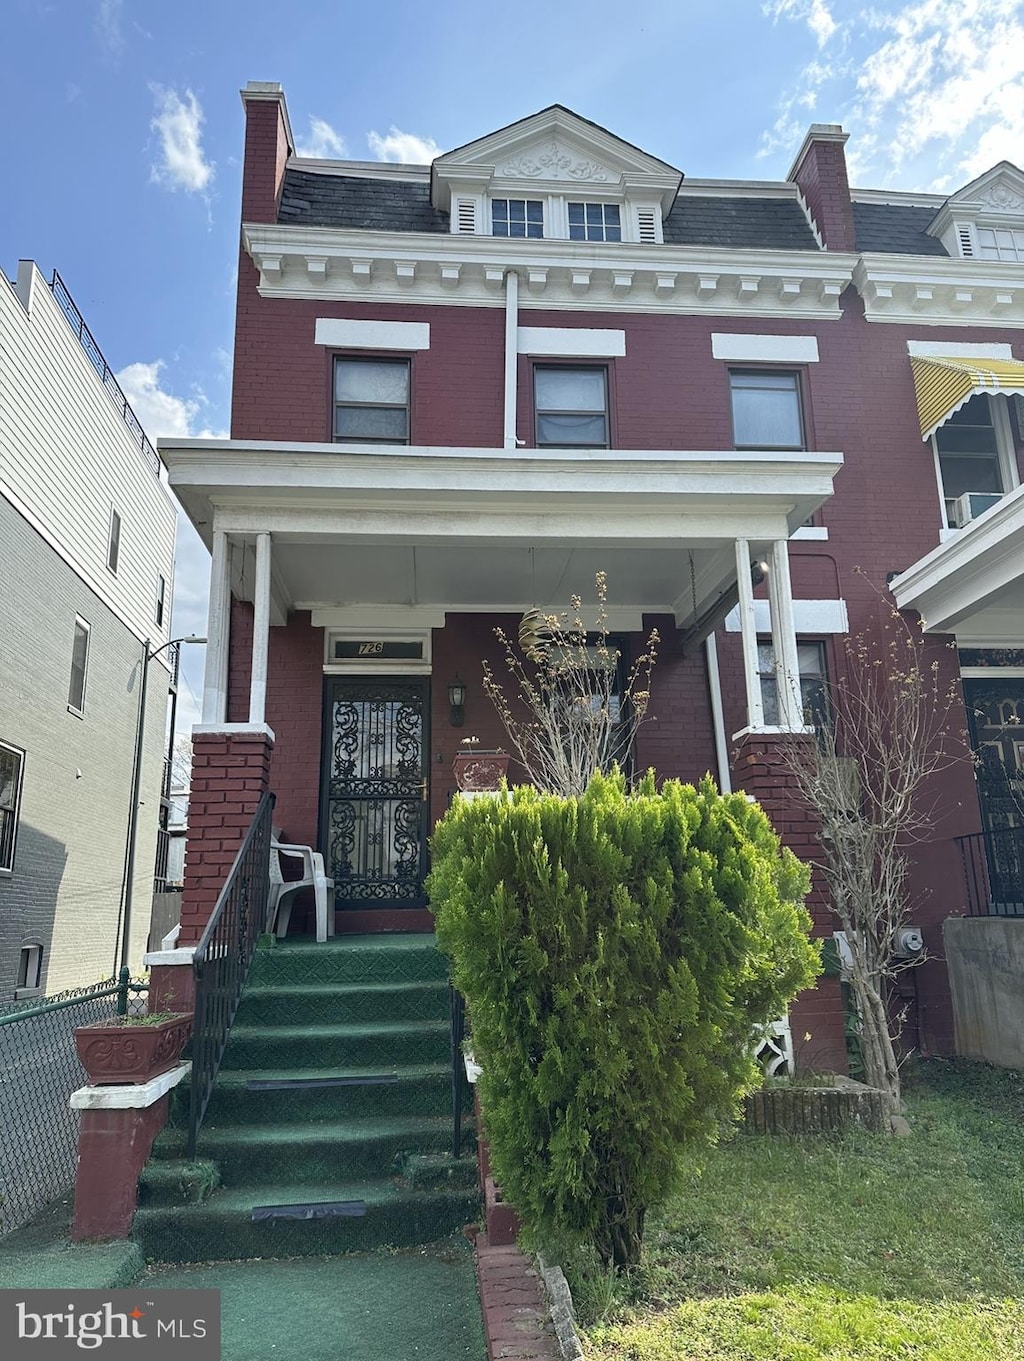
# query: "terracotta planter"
[[130, 1049], [479, 772]]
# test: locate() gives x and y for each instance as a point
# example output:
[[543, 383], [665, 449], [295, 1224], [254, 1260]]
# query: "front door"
[[995, 713], [375, 790]]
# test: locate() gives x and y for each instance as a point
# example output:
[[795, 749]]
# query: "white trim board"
[[957, 349], [343, 334], [809, 616], [764, 349], [573, 341]]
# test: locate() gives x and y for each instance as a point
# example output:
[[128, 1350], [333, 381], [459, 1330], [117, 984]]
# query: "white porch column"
[[748, 631], [511, 354], [215, 679], [260, 632], [717, 715], [787, 664]]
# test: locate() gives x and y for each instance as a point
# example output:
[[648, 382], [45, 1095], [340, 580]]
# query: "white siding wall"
[[66, 458]]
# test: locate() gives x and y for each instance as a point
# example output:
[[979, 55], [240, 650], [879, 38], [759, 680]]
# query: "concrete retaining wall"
[[985, 957]]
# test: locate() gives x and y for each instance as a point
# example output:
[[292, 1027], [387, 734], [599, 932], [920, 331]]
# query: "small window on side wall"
[[12, 766], [571, 406], [371, 401], [161, 599], [766, 411], [30, 970], [79, 667], [114, 541]]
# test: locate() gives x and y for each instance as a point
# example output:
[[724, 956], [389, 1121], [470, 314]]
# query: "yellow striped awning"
[[944, 383]]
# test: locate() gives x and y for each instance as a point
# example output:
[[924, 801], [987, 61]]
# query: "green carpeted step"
[[177, 1181], [222, 1229], [435, 1171], [418, 1090], [248, 1155], [283, 1004], [350, 959], [383, 1044]]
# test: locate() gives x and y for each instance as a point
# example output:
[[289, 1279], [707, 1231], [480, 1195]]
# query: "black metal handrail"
[[993, 864], [222, 959], [457, 1030], [76, 321]]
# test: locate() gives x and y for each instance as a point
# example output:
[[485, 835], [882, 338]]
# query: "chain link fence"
[[39, 1069]]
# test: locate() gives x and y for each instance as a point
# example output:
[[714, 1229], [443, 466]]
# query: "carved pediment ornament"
[[1001, 196], [554, 162]]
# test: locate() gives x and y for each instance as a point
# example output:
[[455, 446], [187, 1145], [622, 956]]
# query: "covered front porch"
[[351, 586]]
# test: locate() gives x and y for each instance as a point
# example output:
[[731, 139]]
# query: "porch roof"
[[973, 584], [492, 529]]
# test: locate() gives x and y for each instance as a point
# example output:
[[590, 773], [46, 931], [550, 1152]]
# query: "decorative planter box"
[[480, 772], [128, 1049]]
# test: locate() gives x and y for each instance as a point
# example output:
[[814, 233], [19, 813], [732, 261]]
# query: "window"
[[517, 217], [30, 970], [114, 541], [594, 222], [810, 658], [1000, 243], [766, 410], [161, 596], [571, 407], [12, 764], [79, 667], [967, 447], [371, 401]]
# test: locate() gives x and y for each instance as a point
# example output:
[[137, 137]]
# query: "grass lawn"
[[860, 1248]]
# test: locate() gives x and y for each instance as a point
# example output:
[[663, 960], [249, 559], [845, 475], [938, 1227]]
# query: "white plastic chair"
[[283, 891]]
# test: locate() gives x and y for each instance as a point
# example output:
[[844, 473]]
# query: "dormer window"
[[1000, 243], [517, 217], [594, 222]]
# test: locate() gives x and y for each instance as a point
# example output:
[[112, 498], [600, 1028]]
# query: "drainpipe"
[[717, 715], [511, 355]]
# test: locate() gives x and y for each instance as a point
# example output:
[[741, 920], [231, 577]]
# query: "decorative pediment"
[[550, 150], [995, 198]]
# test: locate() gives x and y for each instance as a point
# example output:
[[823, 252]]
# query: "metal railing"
[[993, 864], [457, 1030], [222, 959], [76, 321], [39, 1069]]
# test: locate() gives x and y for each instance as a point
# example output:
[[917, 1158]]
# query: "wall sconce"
[[456, 703]]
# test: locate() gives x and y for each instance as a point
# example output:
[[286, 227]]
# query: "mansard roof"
[[895, 229]]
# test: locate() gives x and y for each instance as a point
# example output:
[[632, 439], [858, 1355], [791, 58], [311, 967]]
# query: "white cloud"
[[107, 25], [178, 122], [404, 147], [324, 143], [160, 412], [930, 90]]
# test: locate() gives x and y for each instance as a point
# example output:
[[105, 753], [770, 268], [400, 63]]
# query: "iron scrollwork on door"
[[376, 794]]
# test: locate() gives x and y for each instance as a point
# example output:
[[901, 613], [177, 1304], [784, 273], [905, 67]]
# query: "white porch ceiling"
[[973, 584], [493, 529]]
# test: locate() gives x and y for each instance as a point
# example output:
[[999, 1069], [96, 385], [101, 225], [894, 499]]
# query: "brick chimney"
[[820, 173], [268, 144]]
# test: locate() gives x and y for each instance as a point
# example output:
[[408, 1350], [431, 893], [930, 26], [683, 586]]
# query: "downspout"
[[511, 355], [717, 715]]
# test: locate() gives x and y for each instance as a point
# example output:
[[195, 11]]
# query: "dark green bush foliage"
[[616, 951]]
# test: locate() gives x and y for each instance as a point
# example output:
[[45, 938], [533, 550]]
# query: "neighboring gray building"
[[86, 561]]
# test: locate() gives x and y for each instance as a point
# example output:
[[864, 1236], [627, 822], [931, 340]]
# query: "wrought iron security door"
[[375, 796], [995, 712]]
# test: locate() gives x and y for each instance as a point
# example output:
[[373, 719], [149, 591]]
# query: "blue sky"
[[122, 137]]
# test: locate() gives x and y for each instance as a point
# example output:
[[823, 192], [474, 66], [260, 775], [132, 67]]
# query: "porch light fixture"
[[457, 703]]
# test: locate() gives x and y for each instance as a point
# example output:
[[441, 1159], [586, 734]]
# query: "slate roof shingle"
[[350, 201], [754, 223], [895, 229]]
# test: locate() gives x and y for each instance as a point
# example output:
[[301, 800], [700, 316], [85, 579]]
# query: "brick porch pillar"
[[230, 774], [760, 769]]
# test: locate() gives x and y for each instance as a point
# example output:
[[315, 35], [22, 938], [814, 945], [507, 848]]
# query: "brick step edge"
[[513, 1304]]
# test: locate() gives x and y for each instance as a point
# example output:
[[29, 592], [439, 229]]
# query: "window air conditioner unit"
[[972, 504]]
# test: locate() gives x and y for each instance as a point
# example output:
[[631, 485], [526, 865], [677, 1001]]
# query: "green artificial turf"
[[853, 1248]]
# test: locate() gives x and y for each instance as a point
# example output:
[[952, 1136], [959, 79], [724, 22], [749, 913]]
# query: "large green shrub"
[[616, 951]]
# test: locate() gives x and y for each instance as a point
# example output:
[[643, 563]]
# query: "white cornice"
[[935, 291], [897, 198], [455, 270], [362, 170], [738, 189]]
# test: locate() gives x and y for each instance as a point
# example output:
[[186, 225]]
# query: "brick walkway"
[[514, 1304]]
